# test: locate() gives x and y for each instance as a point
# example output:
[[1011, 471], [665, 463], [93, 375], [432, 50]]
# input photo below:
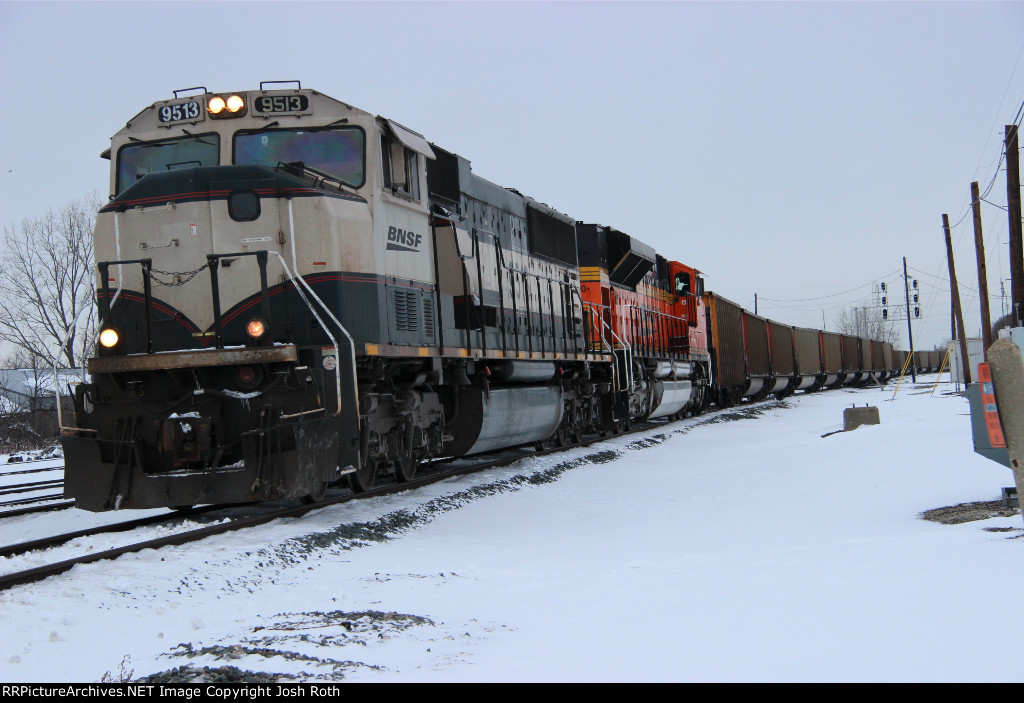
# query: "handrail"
[[682, 321], [605, 341], [105, 305], [337, 359]]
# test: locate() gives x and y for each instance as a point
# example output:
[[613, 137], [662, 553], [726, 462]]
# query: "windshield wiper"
[[198, 139], [320, 178], [265, 127]]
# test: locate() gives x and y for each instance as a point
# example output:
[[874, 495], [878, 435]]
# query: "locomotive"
[[294, 293]]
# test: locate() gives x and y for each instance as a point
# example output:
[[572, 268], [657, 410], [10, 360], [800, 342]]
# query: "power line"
[[833, 295]]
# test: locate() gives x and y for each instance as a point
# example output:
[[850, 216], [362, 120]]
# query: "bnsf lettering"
[[401, 236]]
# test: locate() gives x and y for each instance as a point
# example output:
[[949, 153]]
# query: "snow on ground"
[[740, 546]]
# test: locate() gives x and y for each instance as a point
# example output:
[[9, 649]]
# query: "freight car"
[[295, 293]]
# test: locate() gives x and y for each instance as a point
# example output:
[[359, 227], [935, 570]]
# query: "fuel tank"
[[503, 417], [674, 397]]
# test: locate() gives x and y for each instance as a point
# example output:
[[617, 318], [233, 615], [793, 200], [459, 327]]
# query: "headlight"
[[226, 106], [256, 328], [109, 338]]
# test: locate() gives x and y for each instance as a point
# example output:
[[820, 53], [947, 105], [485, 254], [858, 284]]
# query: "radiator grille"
[[405, 311], [428, 317]]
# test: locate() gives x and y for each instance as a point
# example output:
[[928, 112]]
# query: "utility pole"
[[910, 330], [755, 303], [1013, 212], [979, 246], [954, 293]]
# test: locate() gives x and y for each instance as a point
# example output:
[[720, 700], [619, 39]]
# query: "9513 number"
[[180, 112], [282, 103]]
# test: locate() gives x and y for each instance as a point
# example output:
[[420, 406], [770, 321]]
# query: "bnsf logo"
[[403, 240]]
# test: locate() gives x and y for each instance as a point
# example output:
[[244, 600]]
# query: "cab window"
[[137, 159], [339, 152], [682, 284], [401, 167]]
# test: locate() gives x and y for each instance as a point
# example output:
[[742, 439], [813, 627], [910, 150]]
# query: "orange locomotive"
[[650, 312]]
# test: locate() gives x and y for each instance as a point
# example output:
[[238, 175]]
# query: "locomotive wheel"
[[405, 468], [362, 479], [562, 437], [316, 496]]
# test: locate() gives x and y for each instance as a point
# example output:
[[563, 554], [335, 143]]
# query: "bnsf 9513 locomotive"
[[295, 293]]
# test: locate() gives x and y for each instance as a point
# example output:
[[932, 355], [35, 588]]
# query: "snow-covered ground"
[[741, 546]]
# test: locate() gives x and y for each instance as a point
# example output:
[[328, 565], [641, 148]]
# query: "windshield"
[[339, 152], [136, 160]]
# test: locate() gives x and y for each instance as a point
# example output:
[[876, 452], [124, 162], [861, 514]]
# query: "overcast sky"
[[793, 150]]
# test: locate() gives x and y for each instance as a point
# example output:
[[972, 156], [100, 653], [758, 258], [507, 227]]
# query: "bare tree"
[[46, 283], [866, 322]]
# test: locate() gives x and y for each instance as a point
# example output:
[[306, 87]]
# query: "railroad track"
[[431, 473], [15, 512], [10, 506], [30, 471], [28, 462]]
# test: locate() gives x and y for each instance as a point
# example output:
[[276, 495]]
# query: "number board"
[[281, 103], [181, 112]]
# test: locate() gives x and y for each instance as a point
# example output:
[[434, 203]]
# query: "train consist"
[[294, 293]]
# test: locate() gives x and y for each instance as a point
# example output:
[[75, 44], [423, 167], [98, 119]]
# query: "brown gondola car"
[[899, 358], [728, 366], [888, 361], [781, 341], [831, 358], [758, 354], [809, 367], [877, 358], [851, 359]]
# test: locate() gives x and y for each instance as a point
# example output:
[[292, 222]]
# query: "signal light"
[[917, 312], [885, 314]]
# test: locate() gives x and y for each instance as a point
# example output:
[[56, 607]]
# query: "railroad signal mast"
[[909, 311]]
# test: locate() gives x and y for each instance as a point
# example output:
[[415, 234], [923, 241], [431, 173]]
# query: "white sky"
[[824, 140]]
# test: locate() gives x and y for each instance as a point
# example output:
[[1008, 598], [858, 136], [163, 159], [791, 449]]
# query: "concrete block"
[[855, 417]]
